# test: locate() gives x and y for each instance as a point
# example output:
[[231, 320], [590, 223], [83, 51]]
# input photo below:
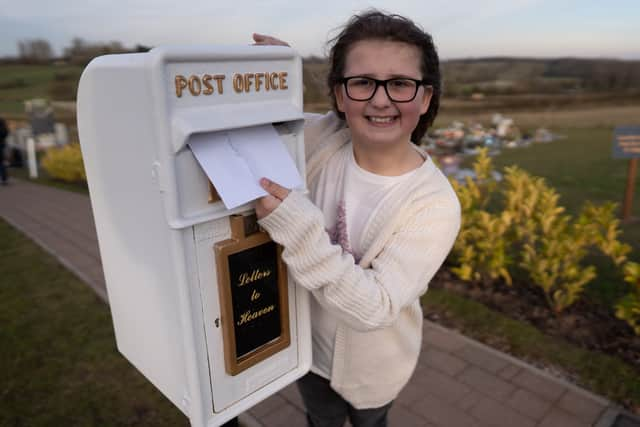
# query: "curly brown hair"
[[375, 24]]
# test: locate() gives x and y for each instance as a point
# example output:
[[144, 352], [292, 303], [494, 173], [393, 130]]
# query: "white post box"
[[200, 299]]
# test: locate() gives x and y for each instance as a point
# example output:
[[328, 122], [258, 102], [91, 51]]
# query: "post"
[[31, 156], [628, 193], [61, 134]]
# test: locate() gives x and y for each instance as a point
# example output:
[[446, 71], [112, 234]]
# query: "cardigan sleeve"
[[365, 298]]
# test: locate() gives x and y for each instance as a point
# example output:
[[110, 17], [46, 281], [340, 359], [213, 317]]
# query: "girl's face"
[[379, 120]]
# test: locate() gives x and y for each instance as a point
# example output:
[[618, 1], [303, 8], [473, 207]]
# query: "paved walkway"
[[458, 381]]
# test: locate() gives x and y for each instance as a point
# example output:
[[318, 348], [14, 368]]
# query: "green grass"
[[580, 167], [58, 362], [605, 375], [19, 83]]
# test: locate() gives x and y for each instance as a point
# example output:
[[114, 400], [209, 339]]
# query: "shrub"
[[604, 229], [65, 163], [552, 252], [532, 232], [552, 244], [475, 194], [628, 308], [481, 246]]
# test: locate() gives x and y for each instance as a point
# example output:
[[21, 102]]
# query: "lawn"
[[58, 362], [580, 166], [22, 82]]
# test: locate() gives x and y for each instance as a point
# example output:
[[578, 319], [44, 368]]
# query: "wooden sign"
[[626, 145], [252, 285], [626, 142]]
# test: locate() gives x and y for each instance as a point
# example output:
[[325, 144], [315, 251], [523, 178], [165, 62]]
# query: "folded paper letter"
[[235, 160]]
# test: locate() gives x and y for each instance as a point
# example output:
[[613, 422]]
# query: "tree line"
[[79, 52], [538, 75]]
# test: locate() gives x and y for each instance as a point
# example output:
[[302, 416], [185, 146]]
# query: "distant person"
[[4, 132], [379, 220]]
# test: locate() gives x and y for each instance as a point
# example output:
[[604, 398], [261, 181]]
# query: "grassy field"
[[580, 166], [58, 362], [22, 82]]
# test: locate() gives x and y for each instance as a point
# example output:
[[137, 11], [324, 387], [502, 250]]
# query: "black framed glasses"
[[399, 89]]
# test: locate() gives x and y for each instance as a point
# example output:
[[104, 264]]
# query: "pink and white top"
[[347, 205]]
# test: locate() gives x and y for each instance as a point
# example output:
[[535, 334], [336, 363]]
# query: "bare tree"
[[35, 50], [81, 51]]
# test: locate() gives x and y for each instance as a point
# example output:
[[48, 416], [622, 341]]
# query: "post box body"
[[157, 228]]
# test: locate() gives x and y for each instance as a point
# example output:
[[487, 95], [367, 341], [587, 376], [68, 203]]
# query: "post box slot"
[[197, 197], [285, 131]]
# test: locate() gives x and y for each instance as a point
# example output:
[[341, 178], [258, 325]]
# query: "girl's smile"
[[382, 120]]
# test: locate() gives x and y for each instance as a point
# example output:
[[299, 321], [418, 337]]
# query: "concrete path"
[[458, 381]]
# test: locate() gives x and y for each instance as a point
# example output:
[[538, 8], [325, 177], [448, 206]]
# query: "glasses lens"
[[401, 89], [363, 88], [360, 88]]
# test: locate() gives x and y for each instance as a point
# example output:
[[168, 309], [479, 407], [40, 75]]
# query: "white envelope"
[[235, 160]]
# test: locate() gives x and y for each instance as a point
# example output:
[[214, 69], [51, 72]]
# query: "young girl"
[[379, 221]]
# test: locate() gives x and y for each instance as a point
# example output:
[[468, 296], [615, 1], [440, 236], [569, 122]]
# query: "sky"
[[460, 28]]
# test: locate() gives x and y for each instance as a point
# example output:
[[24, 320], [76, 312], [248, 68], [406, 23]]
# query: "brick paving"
[[458, 381]]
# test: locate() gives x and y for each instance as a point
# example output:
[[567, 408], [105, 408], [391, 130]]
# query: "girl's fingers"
[[264, 39], [258, 38], [274, 189]]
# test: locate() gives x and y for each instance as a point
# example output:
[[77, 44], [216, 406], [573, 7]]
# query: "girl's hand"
[[265, 40], [267, 204]]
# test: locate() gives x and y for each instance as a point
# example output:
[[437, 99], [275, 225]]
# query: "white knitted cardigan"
[[407, 238]]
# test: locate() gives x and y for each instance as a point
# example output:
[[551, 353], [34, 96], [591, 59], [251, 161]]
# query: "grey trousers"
[[326, 408]]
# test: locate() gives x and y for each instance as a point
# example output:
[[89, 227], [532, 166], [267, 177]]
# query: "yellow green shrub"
[[65, 163], [552, 254], [551, 245], [533, 232], [628, 308], [475, 194], [604, 228], [480, 250]]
